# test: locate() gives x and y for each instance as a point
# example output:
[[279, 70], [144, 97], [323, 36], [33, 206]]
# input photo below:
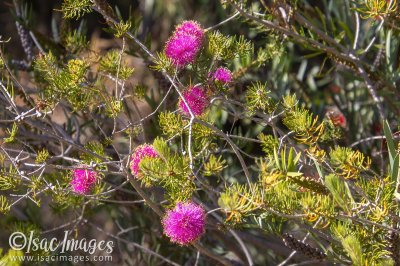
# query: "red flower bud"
[[336, 116]]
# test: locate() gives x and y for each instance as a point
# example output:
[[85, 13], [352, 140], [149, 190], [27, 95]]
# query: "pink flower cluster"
[[223, 75], [141, 151], [190, 27], [196, 98], [185, 223], [184, 45], [83, 180]]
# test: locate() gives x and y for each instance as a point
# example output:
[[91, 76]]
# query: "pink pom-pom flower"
[[182, 49], [190, 27], [223, 75], [184, 45], [185, 223], [196, 98], [141, 151], [83, 180]]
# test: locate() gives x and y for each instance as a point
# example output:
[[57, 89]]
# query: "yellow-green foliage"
[[258, 98], [76, 8], [268, 143], [214, 165], [340, 192], [4, 205], [9, 178], [169, 170], [64, 82], [42, 156], [171, 124], [316, 205], [11, 257], [75, 41], [227, 47], [113, 64], [12, 133], [238, 201], [377, 8], [307, 128], [349, 163], [121, 28]]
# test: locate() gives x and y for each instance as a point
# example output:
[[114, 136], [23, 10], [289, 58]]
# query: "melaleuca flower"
[[196, 98], [182, 49], [83, 180], [223, 75], [190, 27], [185, 43], [185, 223], [141, 151]]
